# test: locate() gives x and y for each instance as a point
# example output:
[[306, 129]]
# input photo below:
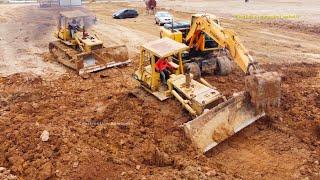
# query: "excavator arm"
[[263, 87], [226, 38]]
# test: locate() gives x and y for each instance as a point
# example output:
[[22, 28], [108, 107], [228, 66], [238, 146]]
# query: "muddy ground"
[[107, 127]]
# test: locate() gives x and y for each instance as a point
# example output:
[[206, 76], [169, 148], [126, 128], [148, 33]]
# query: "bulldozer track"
[[64, 54], [63, 48]]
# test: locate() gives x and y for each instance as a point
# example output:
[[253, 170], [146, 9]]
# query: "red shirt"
[[162, 64]]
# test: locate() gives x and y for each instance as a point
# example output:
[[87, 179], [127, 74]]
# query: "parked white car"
[[163, 17]]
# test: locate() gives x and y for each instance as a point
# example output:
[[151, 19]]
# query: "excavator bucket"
[[264, 89], [103, 58], [217, 124]]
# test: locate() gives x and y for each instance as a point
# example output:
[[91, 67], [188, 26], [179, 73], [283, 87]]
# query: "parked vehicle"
[[163, 17], [125, 13]]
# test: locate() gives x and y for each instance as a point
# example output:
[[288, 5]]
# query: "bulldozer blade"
[[264, 89], [87, 62], [112, 54], [105, 58], [217, 124], [96, 68]]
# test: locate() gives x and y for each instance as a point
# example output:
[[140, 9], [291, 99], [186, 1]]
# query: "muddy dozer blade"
[[264, 89], [104, 58], [88, 62], [113, 53], [221, 122]]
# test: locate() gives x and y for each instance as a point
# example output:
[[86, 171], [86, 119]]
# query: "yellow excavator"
[[212, 47], [81, 51], [215, 118]]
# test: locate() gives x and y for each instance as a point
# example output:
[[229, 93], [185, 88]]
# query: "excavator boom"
[[264, 87]]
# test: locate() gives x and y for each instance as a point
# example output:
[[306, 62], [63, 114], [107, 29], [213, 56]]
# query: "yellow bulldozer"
[[215, 117], [81, 51]]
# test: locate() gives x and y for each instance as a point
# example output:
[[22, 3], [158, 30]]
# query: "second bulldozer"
[[81, 51]]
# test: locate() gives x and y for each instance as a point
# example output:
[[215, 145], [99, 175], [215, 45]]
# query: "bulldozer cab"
[[152, 52], [66, 19], [72, 31], [81, 51]]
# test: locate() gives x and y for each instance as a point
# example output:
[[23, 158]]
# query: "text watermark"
[[253, 16]]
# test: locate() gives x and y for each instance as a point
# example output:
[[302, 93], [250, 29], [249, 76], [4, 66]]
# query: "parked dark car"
[[125, 13]]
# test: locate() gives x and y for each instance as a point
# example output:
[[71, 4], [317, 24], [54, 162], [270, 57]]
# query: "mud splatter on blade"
[[221, 122]]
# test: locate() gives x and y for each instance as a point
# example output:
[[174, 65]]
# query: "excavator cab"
[[204, 42]]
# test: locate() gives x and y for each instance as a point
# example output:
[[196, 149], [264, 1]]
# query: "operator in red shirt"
[[162, 66]]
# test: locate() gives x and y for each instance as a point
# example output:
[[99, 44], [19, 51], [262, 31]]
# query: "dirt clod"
[[45, 171], [5, 174], [44, 136]]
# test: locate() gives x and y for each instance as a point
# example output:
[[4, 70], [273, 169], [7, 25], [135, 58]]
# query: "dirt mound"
[[23, 79], [106, 126], [300, 101], [112, 125]]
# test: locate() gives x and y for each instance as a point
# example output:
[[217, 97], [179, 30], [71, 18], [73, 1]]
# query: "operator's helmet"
[[74, 21]]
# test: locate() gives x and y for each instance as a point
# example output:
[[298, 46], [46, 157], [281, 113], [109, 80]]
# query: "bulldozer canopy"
[[164, 47], [73, 14]]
